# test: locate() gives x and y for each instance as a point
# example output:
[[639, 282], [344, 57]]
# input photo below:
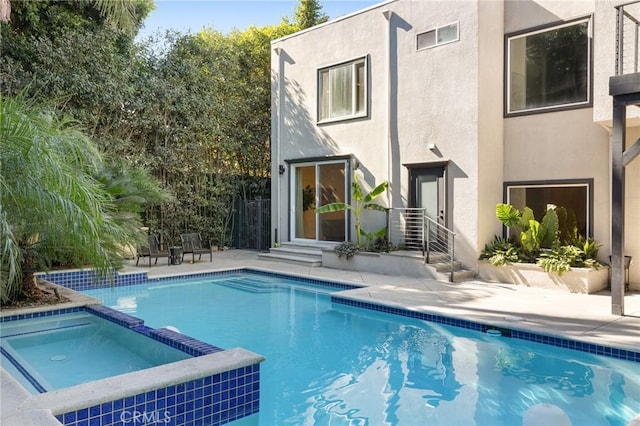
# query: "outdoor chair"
[[193, 243], [152, 250]]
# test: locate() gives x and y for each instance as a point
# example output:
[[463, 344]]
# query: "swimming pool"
[[330, 363]]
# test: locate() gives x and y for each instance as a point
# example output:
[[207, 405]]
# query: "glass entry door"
[[315, 185], [428, 191]]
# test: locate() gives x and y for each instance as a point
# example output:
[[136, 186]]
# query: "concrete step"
[[292, 259], [446, 267], [297, 251]]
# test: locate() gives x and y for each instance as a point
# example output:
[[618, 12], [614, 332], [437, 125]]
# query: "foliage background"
[[192, 109]]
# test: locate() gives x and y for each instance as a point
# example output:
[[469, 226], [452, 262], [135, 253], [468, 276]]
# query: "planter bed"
[[578, 280]]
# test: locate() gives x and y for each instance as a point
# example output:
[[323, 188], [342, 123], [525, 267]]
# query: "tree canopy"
[[194, 114], [309, 13]]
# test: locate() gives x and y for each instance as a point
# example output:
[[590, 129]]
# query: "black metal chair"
[[194, 244], [153, 250]]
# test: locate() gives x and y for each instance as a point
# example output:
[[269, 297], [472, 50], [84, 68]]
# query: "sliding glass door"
[[317, 184]]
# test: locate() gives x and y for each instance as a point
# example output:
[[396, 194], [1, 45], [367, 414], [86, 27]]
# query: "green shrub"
[[501, 251], [540, 242], [346, 248]]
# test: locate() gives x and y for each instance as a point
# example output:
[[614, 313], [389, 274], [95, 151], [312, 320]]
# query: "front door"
[[317, 184], [428, 191]]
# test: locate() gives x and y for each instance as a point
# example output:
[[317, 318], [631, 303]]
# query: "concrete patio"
[[580, 317]]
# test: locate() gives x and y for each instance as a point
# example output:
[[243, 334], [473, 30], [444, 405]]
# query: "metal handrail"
[[625, 16], [414, 229], [450, 241]]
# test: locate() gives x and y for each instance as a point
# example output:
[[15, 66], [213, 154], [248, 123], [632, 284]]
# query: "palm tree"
[[49, 201], [120, 12]]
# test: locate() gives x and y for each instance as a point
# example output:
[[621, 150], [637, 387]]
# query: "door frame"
[[417, 169], [292, 165]]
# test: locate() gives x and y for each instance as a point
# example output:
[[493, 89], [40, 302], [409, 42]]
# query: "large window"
[[342, 91], [549, 68], [571, 199]]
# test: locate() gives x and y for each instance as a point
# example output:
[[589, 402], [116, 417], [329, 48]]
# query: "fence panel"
[[252, 224]]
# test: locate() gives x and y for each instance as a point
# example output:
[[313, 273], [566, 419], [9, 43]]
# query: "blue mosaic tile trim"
[[184, 343], [114, 316], [87, 279], [411, 314], [41, 314], [22, 371], [591, 348], [212, 400], [516, 334], [143, 329]]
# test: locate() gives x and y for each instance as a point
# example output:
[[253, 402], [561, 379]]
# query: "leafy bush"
[[380, 245], [501, 251], [347, 249], [544, 243]]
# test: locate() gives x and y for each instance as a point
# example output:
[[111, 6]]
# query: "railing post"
[[451, 251], [388, 225], [619, 29], [428, 239]]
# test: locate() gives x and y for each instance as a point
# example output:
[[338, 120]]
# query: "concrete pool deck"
[[582, 317]]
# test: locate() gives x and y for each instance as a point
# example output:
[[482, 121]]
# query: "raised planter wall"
[[378, 263], [578, 280]]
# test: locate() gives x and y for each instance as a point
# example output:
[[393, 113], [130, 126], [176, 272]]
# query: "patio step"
[[306, 254], [439, 267]]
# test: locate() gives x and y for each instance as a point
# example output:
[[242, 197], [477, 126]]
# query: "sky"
[[225, 15]]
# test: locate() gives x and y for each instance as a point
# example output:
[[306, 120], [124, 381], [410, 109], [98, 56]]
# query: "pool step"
[[251, 285]]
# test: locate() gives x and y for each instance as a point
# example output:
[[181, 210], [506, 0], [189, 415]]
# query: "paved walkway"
[[575, 316]]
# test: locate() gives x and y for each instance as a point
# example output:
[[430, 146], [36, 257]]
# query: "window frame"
[[436, 30], [560, 183], [539, 30], [354, 90]]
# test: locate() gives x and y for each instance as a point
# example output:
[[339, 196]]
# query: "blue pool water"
[[70, 349], [330, 364]]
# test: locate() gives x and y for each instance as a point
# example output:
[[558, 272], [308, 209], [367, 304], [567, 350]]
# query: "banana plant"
[[534, 235], [360, 202]]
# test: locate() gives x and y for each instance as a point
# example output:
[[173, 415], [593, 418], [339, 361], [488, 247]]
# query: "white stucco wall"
[[450, 96], [435, 99]]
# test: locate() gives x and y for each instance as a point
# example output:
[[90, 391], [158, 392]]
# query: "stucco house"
[[459, 105]]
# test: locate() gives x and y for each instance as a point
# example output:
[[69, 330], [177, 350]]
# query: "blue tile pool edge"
[[563, 342], [86, 279], [212, 400]]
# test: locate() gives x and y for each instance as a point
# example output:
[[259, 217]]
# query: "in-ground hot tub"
[[55, 352], [96, 366]]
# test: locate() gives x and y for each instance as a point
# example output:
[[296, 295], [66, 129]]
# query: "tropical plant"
[[360, 202], [540, 242], [581, 253], [501, 251], [533, 235], [347, 249], [51, 204]]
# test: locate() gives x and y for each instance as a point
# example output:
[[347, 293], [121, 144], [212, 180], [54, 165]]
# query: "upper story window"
[[437, 36], [342, 91], [549, 68]]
